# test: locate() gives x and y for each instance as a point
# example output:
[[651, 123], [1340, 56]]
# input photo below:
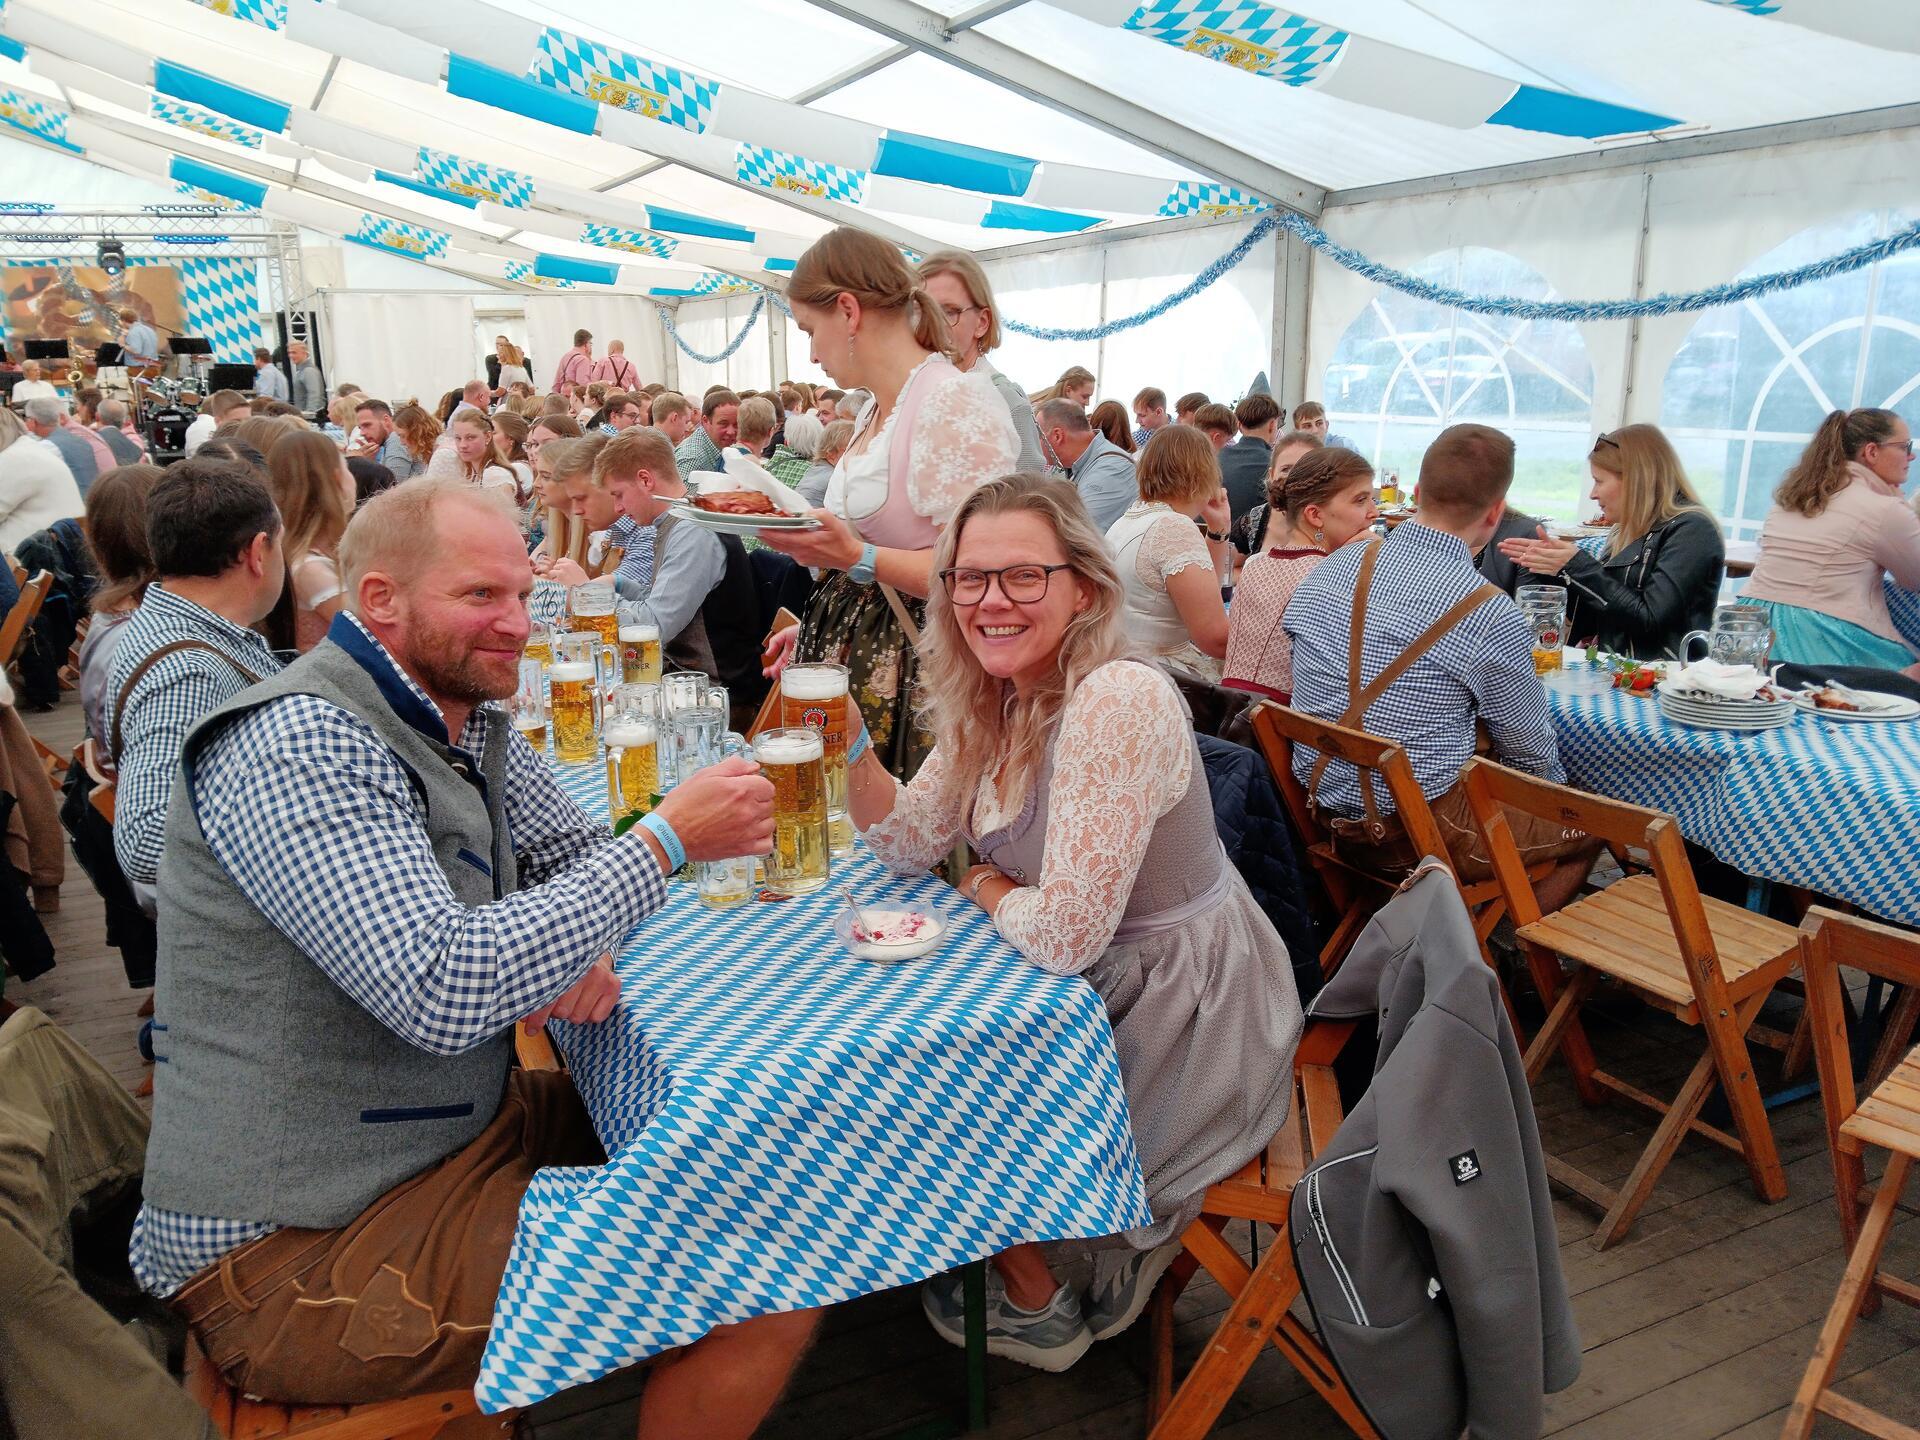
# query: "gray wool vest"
[[281, 1099]]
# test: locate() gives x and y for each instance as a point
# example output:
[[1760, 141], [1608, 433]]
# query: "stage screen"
[[77, 303]]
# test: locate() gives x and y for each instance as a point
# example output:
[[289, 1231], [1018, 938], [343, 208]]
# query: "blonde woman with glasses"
[[1070, 765], [1658, 574]]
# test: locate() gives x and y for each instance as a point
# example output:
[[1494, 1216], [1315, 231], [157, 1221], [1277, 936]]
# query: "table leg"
[[975, 1291], [1759, 894]]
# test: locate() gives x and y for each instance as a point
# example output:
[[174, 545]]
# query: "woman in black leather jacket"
[[1658, 574]]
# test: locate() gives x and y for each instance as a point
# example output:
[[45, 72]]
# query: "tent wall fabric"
[[708, 326], [552, 319], [399, 347]]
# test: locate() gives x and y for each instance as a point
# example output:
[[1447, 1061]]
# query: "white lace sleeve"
[[962, 438], [925, 822], [1172, 544], [1124, 758]]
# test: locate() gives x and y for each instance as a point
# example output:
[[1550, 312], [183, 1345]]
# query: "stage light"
[[112, 257]]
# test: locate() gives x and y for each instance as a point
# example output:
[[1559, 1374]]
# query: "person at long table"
[[1838, 527], [1071, 766], [369, 878], [1658, 574]]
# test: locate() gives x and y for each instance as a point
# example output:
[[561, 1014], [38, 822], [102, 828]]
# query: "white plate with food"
[[724, 513], [1561, 531], [891, 934], [1846, 705]]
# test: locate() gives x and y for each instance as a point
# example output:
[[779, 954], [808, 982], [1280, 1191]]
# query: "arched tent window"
[[1751, 382], [1405, 369]]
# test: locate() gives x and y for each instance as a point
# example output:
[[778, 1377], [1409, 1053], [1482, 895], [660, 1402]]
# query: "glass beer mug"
[[528, 706], [1545, 607], [576, 699], [1740, 636], [816, 696], [792, 760], [631, 732], [539, 644], [594, 609], [639, 639]]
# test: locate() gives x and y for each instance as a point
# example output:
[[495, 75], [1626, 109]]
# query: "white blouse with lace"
[[962, 438], [1153, 543], [1123, 757]]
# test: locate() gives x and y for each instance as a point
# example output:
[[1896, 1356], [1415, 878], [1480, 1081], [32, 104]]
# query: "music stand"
[[230, 377], [108, 354], [45, 349], [190, 345]]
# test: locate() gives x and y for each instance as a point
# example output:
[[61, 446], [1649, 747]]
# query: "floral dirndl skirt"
[[851, 624]]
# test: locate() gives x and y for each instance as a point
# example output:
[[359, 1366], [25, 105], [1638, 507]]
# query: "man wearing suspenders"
[[1404, 639]]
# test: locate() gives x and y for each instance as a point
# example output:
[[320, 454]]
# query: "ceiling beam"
[[907, 23], [1641, 154], [980, 14]]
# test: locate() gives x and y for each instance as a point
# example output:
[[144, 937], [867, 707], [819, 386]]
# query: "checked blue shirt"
[[317, 822], [1482, 669], [634, 579]]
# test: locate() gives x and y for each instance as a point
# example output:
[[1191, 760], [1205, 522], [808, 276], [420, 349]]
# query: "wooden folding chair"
[[1262, 1294], [1888, 1118], [1356, 892], [1704, 961], [13, 629]]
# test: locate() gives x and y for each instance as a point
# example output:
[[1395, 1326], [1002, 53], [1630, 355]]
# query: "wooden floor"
[[1698, 1325]]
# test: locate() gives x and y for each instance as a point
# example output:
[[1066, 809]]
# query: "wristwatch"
[[862, 569]]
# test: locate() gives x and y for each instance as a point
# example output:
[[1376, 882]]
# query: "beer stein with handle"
[[1741, 635], [578, 703]]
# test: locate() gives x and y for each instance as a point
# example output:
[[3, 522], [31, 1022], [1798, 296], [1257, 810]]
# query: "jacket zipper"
[[1341, 1276]]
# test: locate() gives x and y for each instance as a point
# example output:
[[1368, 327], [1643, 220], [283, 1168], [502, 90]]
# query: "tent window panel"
[[1750, 384], [1405, 369]]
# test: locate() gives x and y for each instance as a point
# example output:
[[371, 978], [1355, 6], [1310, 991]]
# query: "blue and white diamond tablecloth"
[[790, 1127], [1817, 803]]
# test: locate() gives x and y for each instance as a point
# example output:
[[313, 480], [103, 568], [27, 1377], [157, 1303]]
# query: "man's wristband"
[[669, 842]]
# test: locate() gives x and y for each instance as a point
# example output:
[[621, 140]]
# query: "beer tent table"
[[788, 1127]]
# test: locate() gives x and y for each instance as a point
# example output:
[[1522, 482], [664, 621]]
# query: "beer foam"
[[804, 683], [788, 749], [634, 634], [629, 735], [562, 671]]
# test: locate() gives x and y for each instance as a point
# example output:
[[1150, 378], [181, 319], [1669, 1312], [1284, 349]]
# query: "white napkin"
[[1731, 682], [743, 472]]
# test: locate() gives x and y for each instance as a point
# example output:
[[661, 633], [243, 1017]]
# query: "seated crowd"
[[355, 877]]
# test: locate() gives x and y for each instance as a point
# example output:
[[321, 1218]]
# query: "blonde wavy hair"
[[1653, 483], [977, 719]]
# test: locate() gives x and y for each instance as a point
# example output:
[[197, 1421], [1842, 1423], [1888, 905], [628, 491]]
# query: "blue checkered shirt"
[[1482, 669], [696, 452], [634, 579], [170, 700], [321, 829]]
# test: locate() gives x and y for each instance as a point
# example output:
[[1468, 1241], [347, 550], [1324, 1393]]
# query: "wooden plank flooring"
[[1697, 1326]]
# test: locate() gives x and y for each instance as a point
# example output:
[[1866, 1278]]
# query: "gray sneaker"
[[1050, 1339], [1123, 1282]]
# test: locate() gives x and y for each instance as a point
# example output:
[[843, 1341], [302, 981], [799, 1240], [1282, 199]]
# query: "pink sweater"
[[1832, 562], [1259, 650]]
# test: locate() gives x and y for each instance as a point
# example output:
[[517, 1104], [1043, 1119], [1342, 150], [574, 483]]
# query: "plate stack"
[[1704, 710]]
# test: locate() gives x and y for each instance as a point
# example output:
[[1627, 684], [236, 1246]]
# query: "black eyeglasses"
[[1022, 584]]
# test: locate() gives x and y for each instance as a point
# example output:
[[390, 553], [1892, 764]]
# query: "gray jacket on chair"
[[1424, 1234]]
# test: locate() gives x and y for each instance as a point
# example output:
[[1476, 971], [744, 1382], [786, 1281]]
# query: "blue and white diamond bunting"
[[626, 82], [634, 242], [779, 170], [1256, 38], [474, 179]]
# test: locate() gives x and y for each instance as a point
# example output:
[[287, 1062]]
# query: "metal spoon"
[[859, 916]]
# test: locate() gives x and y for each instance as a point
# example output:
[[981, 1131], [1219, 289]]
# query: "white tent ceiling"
[[1092, 120]]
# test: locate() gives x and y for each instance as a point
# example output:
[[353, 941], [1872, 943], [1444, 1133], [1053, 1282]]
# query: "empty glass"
[[1740, 636], [528, 706], [680, 690]]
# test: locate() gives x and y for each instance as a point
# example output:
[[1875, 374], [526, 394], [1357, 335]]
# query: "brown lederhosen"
[[1379, 840]]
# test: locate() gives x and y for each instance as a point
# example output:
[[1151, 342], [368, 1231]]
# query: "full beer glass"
[[792, 760], [575, 698], [632, 736], [539, 644], [593, 609], [816, 696], [639, 636]]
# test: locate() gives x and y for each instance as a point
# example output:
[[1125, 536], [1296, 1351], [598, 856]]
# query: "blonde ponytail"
[[930, 328]]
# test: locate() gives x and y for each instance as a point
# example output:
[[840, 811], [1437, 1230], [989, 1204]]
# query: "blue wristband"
[[862, 743], [669, 842]]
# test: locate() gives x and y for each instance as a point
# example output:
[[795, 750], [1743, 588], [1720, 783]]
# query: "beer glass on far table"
[[816, 696], [528, 706], [576, 699], [792, 760], [594, 609], [639, 643], [632, 736]]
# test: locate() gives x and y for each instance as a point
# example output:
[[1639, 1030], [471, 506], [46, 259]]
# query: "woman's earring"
[[1319, 537]]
